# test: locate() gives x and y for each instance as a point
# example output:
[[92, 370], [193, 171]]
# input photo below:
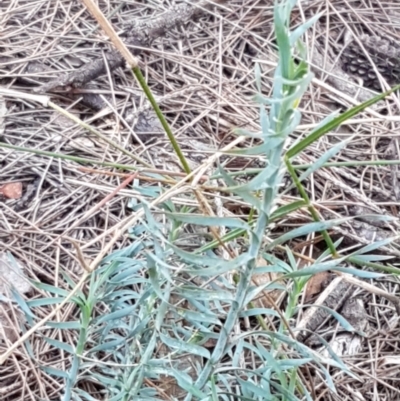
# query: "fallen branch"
[[140, 36]]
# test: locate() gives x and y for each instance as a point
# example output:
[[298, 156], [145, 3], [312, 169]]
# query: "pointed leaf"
[[324, 158], [376, 245], [65, 325], [182, 346], [283, 211], [206, 295], [209, 221], [300, 31], [307, 229], [60, 345], [55, 372], [330, 126], [116, 315]]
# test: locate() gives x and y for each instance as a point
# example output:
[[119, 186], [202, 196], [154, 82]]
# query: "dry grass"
[[204, 76]]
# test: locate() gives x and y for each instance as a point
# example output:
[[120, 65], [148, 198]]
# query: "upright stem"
[[139, 76]]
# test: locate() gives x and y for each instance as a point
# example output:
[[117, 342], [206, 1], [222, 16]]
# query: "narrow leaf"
[[307, 229], [185, 347], [330, 126], [324, 158], [59, 344], [208, 221]]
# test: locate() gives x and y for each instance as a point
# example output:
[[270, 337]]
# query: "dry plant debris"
[[202, 71], [11, 278]]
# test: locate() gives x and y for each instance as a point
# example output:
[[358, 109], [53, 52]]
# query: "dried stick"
[[140, 36]]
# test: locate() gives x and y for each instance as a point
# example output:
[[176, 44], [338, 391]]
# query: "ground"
[[63, 213]]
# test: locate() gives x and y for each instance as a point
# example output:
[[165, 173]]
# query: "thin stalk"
[[68, 157], [245, 279], [327, 238], [139, 76], [387, 269], [310, 207], [328, 127], [93, 30]]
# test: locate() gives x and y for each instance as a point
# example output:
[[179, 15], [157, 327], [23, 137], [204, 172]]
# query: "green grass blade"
[[331, 125]]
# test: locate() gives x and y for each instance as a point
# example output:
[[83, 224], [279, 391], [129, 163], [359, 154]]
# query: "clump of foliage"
[[153, 306]]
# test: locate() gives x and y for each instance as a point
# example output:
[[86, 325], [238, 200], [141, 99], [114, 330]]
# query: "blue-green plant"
[[151, 305]]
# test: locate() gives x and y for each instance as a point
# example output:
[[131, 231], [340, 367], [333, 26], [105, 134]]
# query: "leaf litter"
[[203, 76]]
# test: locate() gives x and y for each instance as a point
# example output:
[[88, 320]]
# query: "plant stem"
[[310, 207], [139, 76]]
